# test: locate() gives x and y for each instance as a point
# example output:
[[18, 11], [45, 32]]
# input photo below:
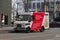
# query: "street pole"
[[54, 9], [17, 10]]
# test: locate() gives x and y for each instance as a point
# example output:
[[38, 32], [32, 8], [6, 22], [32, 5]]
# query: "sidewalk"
[[5, 29]]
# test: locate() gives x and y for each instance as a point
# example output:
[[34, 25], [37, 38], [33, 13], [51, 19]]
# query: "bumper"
[[20, 29]]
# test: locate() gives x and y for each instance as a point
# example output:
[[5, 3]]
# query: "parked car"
[[54, 24]]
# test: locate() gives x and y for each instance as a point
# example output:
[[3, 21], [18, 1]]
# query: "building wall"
[[6, 9], [54, 9], [0, 12]]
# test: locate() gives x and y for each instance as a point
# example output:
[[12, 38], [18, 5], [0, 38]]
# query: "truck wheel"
[[42, 29], [31, 31], [28, 30]]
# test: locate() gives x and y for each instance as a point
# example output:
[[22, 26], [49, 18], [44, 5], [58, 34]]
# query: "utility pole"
[[54, 9]]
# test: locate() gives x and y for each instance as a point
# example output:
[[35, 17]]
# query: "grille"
[[19, 25]]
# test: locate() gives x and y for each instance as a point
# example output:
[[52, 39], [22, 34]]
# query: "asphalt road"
[[51, 34]]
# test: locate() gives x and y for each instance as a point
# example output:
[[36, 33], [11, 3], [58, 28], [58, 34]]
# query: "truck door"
[[38, 19]]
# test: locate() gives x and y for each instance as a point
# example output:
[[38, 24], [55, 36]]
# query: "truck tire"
[[31, 31], [42, 29], [28, 30]]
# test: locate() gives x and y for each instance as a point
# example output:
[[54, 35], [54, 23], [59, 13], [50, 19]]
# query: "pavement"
[[5, 29], [51, 34]]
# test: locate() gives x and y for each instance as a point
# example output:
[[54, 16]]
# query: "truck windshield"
[[23, 18]]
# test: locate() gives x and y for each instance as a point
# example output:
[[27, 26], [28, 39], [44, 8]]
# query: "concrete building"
[[5, 9]]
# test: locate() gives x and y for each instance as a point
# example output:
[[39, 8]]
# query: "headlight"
[[15, 25]]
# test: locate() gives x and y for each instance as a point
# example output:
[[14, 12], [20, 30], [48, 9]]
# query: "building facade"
[[5, 9], [54, 9], [9, 8]]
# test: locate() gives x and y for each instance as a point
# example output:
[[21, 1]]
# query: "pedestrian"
[[2, 23]]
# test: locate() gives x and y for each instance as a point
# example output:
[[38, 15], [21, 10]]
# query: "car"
[[54, 24]]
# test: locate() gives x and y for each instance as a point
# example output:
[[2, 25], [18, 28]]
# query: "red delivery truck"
[[29, 22]]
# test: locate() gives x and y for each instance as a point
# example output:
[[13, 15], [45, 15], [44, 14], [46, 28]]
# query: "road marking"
[[57, 36]]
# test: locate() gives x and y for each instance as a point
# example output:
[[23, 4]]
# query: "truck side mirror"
[[32, 18], [29, 20]]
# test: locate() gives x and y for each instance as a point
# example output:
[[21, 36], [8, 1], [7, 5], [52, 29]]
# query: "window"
[[23, 17], [42, 7], [51, 4], [51, 9], [29, 6], [58, 6], [38, 5], [33, 5]]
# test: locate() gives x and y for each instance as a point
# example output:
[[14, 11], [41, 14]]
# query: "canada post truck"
[[34, 21]]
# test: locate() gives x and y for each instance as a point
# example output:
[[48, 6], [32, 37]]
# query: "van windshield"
[[23, 18]]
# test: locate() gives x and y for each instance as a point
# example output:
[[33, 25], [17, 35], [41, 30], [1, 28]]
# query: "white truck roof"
[[25, 13]]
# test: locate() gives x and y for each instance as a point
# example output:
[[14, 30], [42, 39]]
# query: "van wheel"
[[28, 30], [42, 29]]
